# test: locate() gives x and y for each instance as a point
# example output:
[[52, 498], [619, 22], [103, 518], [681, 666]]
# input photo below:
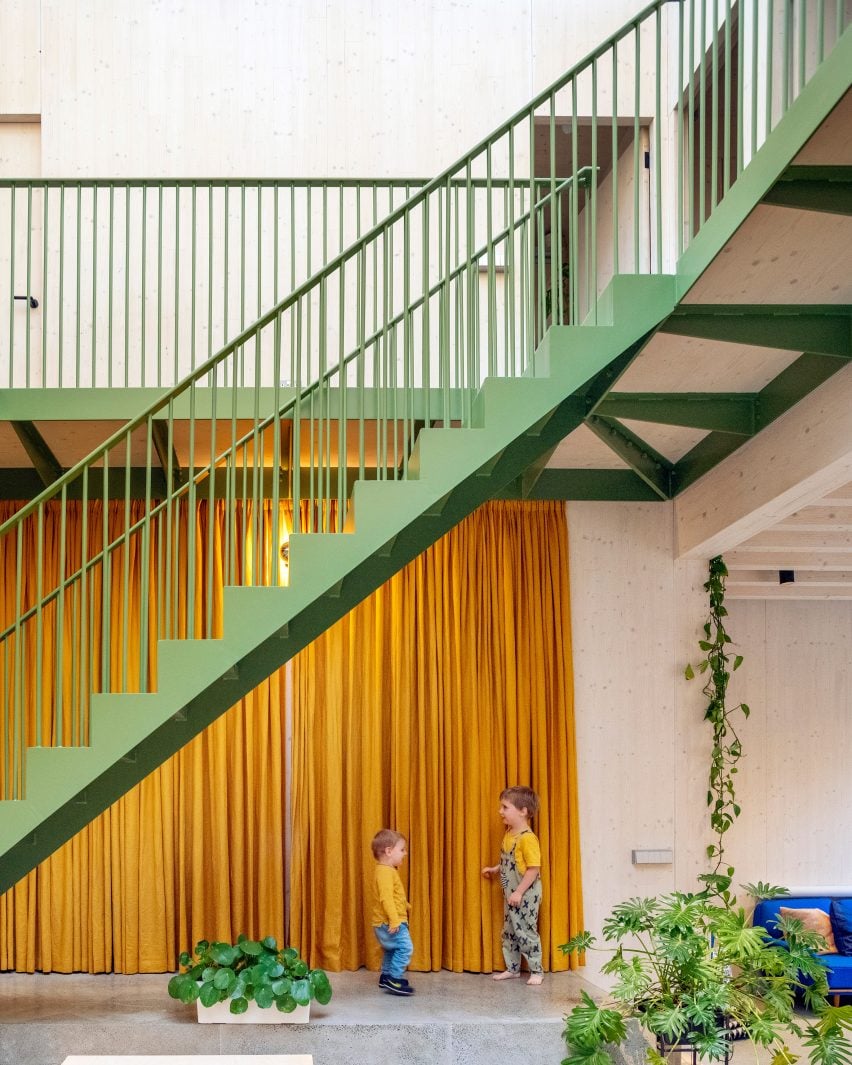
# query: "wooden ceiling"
[[807, 555]]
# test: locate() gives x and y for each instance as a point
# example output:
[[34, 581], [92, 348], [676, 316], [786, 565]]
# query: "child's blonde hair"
[[522, 798], [383, 839]]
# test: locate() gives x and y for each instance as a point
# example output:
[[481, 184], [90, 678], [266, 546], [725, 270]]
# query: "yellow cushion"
[[814, 921]]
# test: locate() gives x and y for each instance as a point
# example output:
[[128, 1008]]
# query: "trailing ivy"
[[718, 664]]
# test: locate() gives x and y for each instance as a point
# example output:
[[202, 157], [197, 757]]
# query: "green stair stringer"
[[452, 471]]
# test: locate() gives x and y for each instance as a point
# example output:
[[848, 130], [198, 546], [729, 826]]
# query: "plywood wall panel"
[[278, 87], [808, 675], [621, 597], [20, 68]]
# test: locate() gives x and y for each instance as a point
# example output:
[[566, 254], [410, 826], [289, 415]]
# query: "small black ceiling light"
[[786, 576]]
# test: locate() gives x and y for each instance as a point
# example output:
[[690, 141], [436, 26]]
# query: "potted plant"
[[691, 970], [241, 982], [688, 967]]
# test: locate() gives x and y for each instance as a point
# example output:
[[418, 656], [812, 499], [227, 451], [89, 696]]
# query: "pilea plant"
[[248, 971], [718, 664]]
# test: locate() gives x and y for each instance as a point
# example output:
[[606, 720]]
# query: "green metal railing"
[[135, 283], [398, 331]]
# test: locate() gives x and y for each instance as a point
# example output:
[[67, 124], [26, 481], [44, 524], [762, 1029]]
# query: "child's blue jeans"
[[397, 947]]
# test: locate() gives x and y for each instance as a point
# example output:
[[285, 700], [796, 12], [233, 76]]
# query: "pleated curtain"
[[449, 683], [196, 850]]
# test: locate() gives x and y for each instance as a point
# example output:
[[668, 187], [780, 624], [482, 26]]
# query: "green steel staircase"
[[451, 471], [439, 358]]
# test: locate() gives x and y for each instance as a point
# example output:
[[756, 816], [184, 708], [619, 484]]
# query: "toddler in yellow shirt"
[[390, 912]]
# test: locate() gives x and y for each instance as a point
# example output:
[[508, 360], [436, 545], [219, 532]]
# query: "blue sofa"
[[839, 965]]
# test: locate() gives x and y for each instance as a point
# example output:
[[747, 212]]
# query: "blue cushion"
[[841, 924], [766, 911], [839, 970]]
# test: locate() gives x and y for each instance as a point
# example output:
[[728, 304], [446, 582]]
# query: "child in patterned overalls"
[[519, 868]]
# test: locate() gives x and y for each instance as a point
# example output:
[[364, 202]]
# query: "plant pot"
[[220, 1013]]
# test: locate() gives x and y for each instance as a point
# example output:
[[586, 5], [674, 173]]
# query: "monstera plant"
[[248, 971], [690, 969]]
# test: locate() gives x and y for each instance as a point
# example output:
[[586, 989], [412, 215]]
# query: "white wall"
[[797, 679], [20, 75], [278, 87], [642, 743]]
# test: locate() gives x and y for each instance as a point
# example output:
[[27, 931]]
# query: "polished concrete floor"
[[453, 1019]]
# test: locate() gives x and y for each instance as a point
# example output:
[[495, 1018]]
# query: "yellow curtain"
[[196, 850], [451, 682]]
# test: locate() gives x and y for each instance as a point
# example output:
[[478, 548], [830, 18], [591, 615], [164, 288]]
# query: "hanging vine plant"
[[718, 664]]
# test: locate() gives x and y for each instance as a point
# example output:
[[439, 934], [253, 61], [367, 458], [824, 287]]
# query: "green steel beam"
[[166, 455], [800, 378], [730, 412], [20, 484], [814, 188], [124, 404], [706, 454], [532, 474], [654, 469], [602, 485], [550, 483], [825, 329], [728, 416], [44, 461]]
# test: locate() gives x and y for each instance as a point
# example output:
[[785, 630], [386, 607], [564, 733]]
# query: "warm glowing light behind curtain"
[[196, 850], [413, 712]]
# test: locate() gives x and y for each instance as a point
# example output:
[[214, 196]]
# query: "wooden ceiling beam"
[[836, 562], [795, 461]]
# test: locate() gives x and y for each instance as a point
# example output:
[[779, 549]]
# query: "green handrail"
[[136, 281], [133, 282], [397, 331]]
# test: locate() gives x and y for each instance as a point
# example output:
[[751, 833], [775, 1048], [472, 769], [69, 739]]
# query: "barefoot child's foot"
[[507, 975], [535, 979]]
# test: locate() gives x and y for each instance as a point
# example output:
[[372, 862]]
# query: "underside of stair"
[[451, 472]]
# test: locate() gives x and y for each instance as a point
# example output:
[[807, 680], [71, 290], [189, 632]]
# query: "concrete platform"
[[454, 1019]]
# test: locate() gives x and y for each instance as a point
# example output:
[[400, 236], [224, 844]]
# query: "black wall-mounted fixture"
[[33, 302], [786, 576]]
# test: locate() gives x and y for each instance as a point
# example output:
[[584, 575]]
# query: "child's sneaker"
[[394, 986]]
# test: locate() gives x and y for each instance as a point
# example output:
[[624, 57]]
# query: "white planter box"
[[221, 1014]]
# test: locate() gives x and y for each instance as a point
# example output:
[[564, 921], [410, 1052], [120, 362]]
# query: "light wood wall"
[[797, 678], [279, 87], [643, 745]]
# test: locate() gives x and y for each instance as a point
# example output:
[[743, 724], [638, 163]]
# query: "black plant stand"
[[685, 1046]]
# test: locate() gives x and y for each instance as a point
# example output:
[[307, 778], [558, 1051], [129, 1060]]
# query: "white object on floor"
[[189, 1059], [220, 1013]]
